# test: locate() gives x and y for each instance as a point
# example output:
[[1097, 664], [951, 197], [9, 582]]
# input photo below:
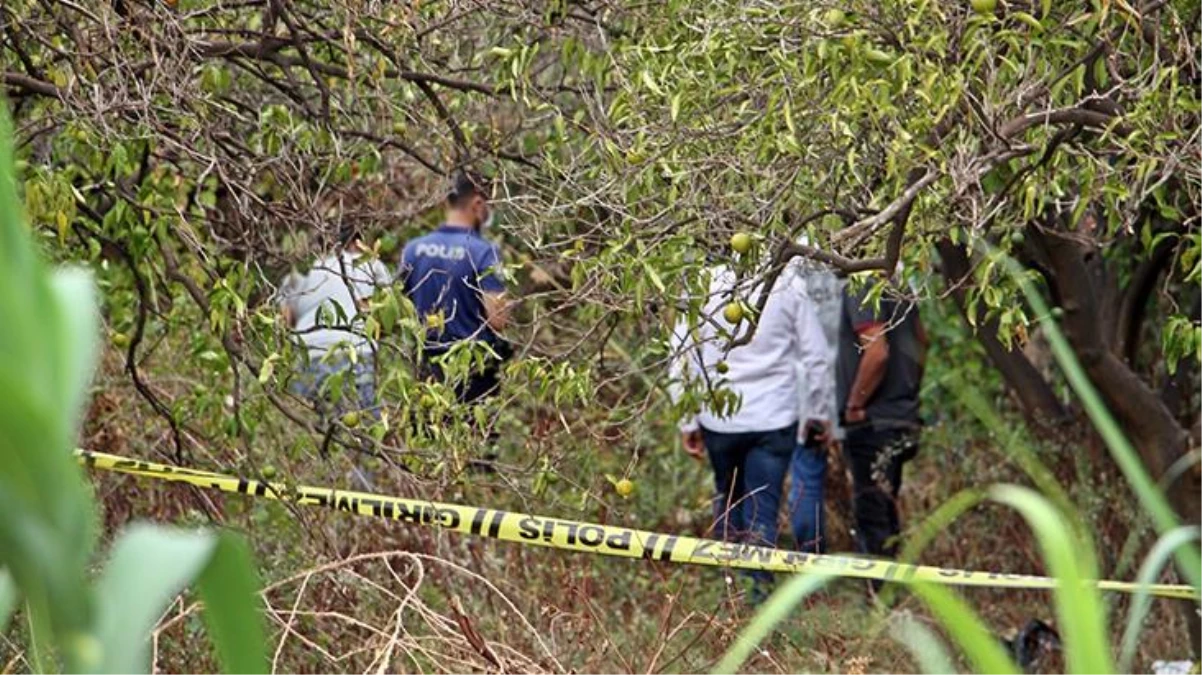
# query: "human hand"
[[854, 415], [817, 432], [693, 443]]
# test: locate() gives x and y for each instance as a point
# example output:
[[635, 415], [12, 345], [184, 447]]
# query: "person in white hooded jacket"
[[750, 448]]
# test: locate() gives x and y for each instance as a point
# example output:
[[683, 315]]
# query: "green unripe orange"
[[741, 243], [733, 312], [351, 419], [723, 367], [624, 487]]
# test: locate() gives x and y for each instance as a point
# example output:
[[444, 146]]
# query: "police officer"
[[453, 276]]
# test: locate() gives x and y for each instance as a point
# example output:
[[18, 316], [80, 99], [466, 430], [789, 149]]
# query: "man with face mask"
[[453, 277]]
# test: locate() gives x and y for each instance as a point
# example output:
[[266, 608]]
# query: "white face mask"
[[487, 223]]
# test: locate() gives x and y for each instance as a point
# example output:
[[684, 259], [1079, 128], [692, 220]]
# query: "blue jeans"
[[749, 473], [807, 474], [357, 392]]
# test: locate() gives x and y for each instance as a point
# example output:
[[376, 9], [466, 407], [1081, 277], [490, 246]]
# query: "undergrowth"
[[352, 594]]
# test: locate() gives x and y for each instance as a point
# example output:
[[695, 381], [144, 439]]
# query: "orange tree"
[[953, 136], [198, 151]]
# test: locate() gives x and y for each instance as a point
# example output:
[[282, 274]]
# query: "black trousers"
[[876, 458], [478, 386]]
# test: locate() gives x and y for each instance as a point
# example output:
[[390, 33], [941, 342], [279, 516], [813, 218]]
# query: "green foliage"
[[1182, 339], [629, 144], [1151, 568], [1071, 560], [1150, 496], [46, 537], [148, 567], [194, 161], [776, 609], [966, 629], [8, 598], [1067, 549], [927, 648]]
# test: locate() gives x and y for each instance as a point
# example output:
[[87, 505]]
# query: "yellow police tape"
[[574, 535]]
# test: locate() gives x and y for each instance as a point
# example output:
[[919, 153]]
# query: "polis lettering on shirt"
[[440, 251]]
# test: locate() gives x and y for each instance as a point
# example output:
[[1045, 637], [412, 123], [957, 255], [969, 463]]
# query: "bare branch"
[[861, 230], [1085, 118], [31, 85]]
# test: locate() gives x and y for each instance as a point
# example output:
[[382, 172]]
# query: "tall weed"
[[47, 535]]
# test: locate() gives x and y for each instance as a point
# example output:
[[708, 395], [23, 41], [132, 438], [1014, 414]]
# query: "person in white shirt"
[[807, 471], [750, 448], [323, 308]]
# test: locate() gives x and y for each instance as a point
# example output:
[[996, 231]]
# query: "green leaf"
[[268, 367], [8, 598], [655, 278], [148, 567], [45, 536], [962, 624], [651, 84], [1029, 20], [775, 610], [77, 320], [1081, 616], [927, 648], [1148, 572], [1151, 498], [230, 590]]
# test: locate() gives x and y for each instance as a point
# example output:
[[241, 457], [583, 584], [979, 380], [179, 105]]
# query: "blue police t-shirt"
[[444, 274]]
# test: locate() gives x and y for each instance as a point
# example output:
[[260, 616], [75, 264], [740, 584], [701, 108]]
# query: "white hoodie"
[[764, 372]]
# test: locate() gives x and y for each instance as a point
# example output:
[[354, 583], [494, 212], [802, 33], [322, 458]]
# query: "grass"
[[348, 594], [1066, 544], [584, 614]]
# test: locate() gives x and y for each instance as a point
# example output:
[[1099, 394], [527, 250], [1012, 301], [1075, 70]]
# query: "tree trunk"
[[1088, 295], [1185, 495], [1039, 403], [1151, 427]]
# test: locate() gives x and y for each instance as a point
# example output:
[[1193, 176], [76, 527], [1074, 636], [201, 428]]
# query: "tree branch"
[[268, 50], [1040, 405], [1157, 435], [31, 85], [1134, 304], [1085, 118], [131, 358], [864, 228], [396, 143], [461, 149]]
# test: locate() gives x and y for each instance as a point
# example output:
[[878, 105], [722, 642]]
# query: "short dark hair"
[[466, 185]]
